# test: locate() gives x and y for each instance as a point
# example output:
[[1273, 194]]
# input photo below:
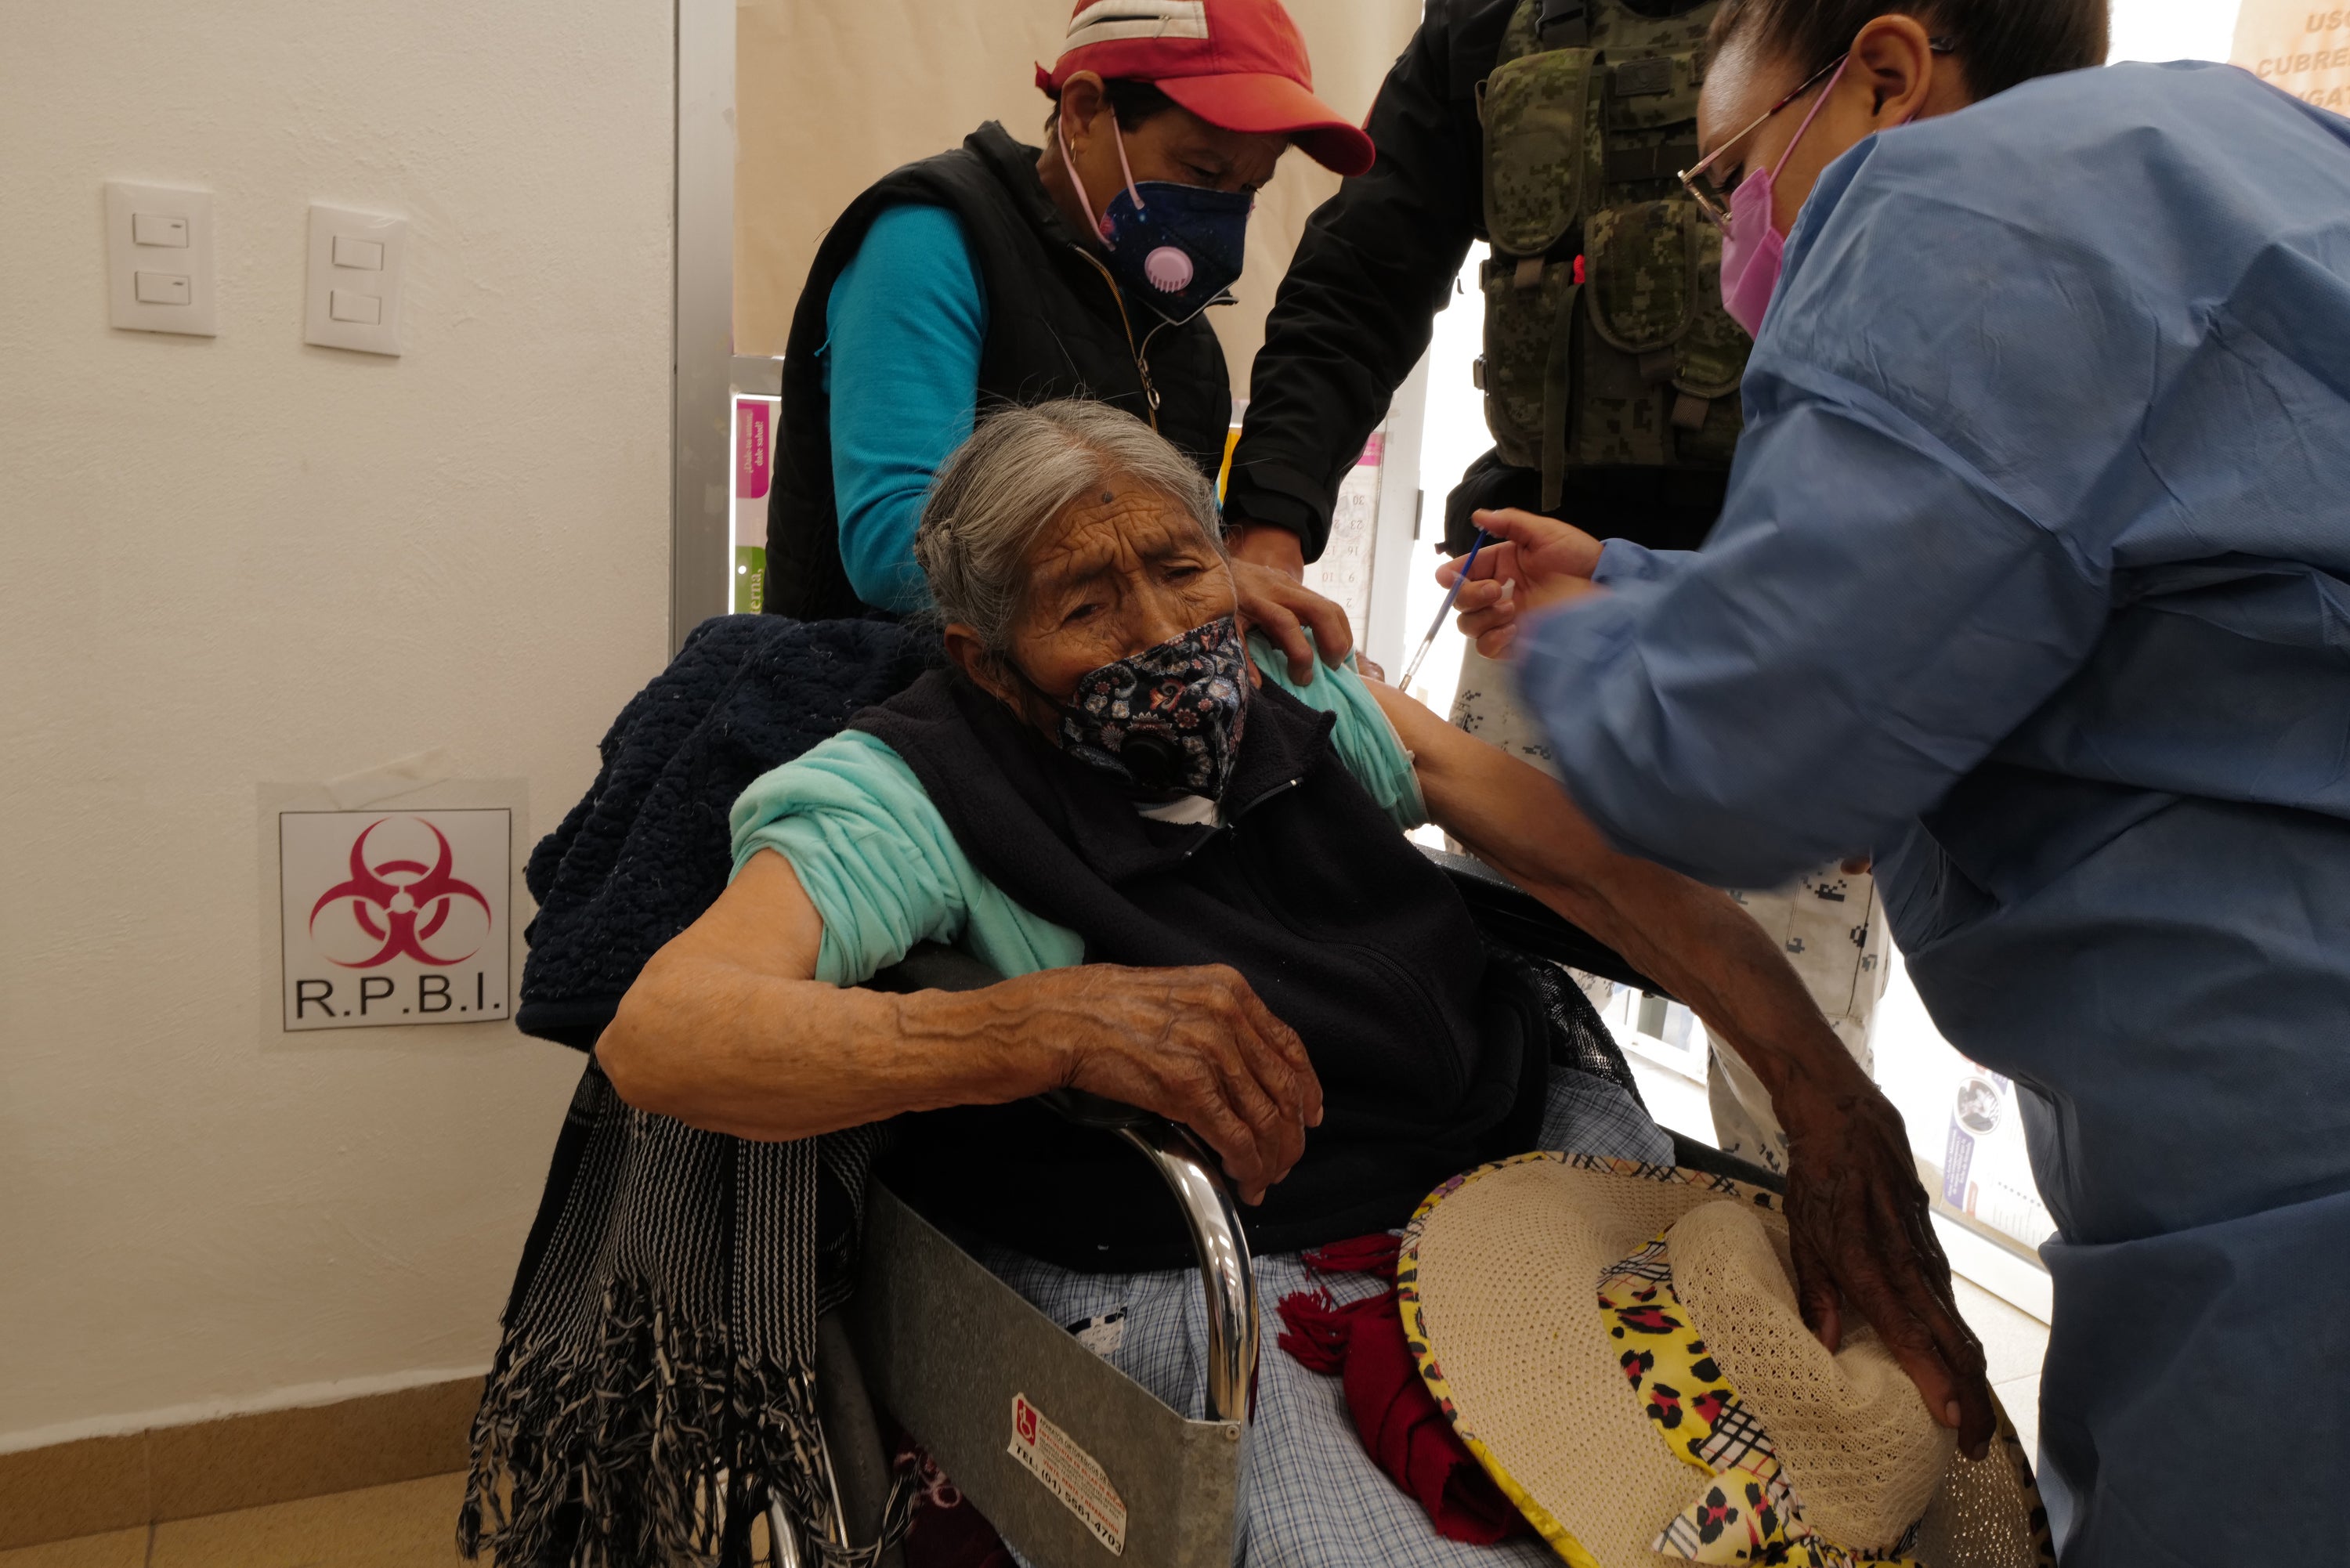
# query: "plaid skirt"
[[1314, 1498]]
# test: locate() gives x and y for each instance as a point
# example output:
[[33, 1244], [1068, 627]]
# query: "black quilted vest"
[[1057, 327], [1344, 929]]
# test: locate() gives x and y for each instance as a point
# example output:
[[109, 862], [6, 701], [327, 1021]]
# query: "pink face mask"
[[1752, 245]]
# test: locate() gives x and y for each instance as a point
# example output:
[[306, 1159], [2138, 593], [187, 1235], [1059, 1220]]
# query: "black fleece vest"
[[1344, 929], [1057, 327]]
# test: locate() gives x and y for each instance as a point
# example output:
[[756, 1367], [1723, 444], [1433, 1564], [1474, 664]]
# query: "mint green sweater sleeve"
[[876, 860], [1366, 742]]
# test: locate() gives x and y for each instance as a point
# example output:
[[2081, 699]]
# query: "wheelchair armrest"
[[1511, 914], [1212, 1217], [1695, 1155], [1210, 1214], [1091, 1110]]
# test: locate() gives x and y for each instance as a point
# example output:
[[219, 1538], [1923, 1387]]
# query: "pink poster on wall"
[[755, 475], [754, 450]]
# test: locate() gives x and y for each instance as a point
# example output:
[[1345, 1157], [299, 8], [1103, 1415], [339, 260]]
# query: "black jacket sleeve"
[[1355, 310]]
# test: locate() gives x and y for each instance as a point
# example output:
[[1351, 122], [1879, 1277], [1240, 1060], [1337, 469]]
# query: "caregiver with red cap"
[[1002, 273]]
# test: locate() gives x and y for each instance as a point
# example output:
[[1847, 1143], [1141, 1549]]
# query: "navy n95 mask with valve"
[[1175, 247], [1178, 247]]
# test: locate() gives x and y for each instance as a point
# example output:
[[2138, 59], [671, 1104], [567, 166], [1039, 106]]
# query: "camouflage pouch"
[[1642, 276], [1639, 366], [1706, 430], [1637, 310], [1653, 92], [1534, 110], [1620, 411], [1711, 358], [1524, 370], [1713, 353], [1648, 122], [1660, 335]]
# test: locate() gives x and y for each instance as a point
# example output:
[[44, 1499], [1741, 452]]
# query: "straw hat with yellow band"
[[1620, 1344]]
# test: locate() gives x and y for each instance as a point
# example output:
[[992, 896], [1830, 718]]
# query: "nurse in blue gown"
[[2034, 582]]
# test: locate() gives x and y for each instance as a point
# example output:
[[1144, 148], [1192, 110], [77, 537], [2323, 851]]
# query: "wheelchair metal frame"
[[946, 1347]]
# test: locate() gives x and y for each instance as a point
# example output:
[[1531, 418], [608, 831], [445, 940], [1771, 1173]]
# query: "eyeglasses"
[[1714, 201]]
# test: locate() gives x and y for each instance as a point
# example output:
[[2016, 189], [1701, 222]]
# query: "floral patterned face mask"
[[1168, 719]]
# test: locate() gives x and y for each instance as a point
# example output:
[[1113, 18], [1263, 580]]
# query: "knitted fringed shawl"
[[656, 1377], [654, 1386]]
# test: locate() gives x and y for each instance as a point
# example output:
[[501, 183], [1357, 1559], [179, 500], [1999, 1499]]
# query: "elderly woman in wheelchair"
[[1194, 879]]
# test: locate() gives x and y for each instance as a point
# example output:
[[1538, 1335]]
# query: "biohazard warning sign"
[[393, 917], [1069, 1473]]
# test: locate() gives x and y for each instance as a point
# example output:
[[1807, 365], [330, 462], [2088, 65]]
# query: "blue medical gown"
[[2034, 580]]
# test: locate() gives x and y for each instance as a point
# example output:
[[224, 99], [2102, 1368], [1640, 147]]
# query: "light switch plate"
[[161, 287], [380, 238], [181, 217], [361, 256], [160, 230]]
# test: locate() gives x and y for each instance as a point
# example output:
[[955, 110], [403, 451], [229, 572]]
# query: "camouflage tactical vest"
[[1589, 115]]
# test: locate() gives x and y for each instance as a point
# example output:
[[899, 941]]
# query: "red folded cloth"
[[1407, 1434], [947, 1530]]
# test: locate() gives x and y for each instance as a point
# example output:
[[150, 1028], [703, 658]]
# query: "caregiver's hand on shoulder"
[[1269, 571], [1531, 563], [1863, 1243], [1196, 1045]]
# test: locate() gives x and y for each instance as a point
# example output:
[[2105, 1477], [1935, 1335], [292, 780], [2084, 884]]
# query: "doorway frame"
[[701, 318]]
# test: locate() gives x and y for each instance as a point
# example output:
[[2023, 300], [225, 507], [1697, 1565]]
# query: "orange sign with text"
[[2299, 46]]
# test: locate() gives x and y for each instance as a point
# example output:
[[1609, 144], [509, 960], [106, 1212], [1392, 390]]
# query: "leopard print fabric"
[[1746, 1513]]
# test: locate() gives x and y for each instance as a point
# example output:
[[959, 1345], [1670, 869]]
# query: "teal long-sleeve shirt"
[[903, 329]]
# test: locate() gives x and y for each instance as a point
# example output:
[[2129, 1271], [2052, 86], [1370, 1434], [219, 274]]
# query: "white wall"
[[1352, 44], [241, 560], [2172, 29]]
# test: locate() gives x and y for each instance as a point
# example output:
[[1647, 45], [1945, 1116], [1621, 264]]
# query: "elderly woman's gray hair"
[[1020, 468]]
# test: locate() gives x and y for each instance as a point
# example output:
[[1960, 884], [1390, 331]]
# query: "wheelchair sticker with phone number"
[[1068, 1473]]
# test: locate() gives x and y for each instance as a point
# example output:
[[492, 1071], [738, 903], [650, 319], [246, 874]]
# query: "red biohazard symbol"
[[402, 903]]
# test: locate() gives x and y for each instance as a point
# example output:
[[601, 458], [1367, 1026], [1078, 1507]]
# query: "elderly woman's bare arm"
[[1692, 938], [728, 1028], [1857, 1215]]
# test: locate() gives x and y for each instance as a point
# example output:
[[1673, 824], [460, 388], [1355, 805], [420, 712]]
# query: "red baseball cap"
[[1237, 64]]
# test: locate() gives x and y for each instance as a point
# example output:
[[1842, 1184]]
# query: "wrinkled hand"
[[1862, 1238], [1194, 1045], [1269, 570], [1532, 563]]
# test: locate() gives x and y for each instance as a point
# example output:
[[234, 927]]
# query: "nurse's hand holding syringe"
[[1530, 564]]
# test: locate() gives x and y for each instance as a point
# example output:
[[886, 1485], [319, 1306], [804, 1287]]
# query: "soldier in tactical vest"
[[998, 273], [1555, 131]]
